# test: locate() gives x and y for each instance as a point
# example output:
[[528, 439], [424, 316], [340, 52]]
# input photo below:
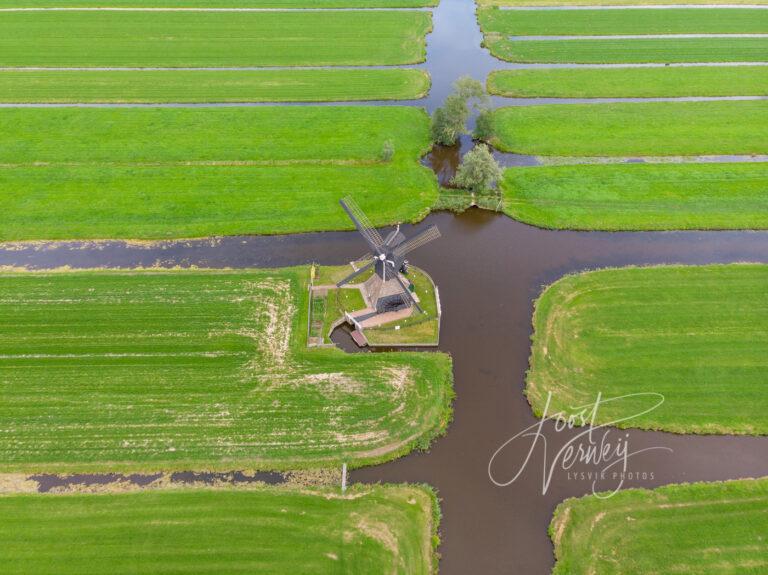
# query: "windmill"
[[386, 289]]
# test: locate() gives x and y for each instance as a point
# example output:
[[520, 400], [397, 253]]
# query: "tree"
[[468, 88], [450, 121], [479, 171], [484, 125]]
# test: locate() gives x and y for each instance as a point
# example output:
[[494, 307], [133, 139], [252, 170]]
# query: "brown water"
[[489, 270], [48, 482]]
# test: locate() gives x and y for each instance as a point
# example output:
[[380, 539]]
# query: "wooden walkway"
[[359, 338]]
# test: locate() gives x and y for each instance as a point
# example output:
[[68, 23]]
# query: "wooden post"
[[343, 477]]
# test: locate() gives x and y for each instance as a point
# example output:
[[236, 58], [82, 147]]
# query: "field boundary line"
[[510, 101], [502, 66], [545, 101], [205, 68], [636, 7], [202, 9], [569, 37], [194, 163], [703, 159]]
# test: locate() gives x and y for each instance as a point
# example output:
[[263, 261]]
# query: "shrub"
[[479, 171]]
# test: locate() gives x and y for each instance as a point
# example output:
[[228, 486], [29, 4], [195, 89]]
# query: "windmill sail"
[[385, 290], [431, 233], [362, 223], [354, 274]]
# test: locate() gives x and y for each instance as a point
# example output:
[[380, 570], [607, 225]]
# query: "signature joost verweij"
[[597, 445]]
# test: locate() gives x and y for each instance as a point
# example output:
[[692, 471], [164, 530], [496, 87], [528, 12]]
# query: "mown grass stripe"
[[382, 529], [637, 129], [631, 37], [618, 3], [639, 196], [54, 86], [164, 173], [261, 134], [217, 3], [114, 371], [693, 50], [696, 335], [190, 39], [716, 528], [631, 82], [623, 22]]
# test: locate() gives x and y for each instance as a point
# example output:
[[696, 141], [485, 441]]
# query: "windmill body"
[[388, 288]]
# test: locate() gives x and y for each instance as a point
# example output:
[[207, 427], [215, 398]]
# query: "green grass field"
[[56, 86], [644, 129], [217, 3], [164, 173], [110, 371], [603, 2], [599, 22], [373, 530], [630, 51], [697, 335], [329, 308], [630, 82], [337, 302], [265, 135], [639, 196], [178, 39], [702, 528]]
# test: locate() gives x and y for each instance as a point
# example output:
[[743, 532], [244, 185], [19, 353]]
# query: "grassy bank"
[[639, 196], [646, 129], [697, 528], [607, 22], [113, 371], [159, 173], [381, 529], [629, 51], [697, 335], [631, 82], [177, 39], [55, 86]]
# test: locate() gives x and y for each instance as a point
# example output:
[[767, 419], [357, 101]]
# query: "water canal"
[[489, 269]]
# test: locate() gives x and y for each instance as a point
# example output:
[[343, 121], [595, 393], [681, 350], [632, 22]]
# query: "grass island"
[[716, 528], [697, 335]]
